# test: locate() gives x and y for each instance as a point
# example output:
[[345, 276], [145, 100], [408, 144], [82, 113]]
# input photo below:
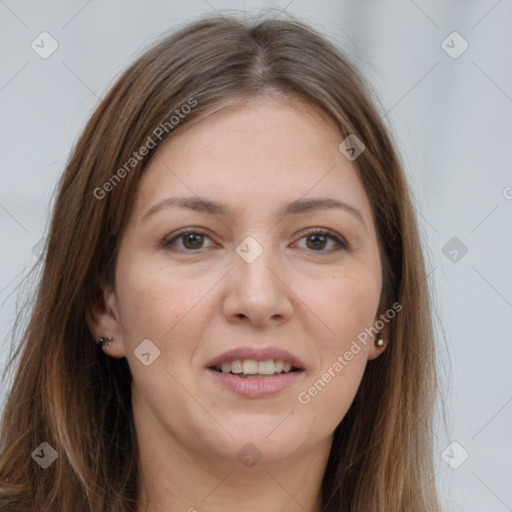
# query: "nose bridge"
[[254, 256], [255, 290]]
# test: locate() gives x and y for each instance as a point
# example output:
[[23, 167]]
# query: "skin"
[[297, 295]]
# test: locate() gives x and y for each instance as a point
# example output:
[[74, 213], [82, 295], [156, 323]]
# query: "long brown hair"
[[65, 391]]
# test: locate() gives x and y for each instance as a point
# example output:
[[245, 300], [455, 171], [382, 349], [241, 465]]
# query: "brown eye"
[[190, 241], [318, 239]]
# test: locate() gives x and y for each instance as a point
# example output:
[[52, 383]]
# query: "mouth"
[[256, 372], [253, 369]]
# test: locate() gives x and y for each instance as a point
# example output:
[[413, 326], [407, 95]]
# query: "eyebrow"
[[208, 206]]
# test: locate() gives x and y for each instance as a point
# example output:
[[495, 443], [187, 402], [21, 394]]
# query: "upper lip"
[[258, 354]]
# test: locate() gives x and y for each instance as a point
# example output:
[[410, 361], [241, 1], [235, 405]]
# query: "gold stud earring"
[[380, 340]]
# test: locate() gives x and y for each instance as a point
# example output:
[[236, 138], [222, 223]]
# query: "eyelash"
[[341, 244]]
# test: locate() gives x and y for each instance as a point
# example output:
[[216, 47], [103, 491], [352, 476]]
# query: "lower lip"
[[258, 387]]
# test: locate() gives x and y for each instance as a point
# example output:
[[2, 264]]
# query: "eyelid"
[[340, 241], [168, 240]]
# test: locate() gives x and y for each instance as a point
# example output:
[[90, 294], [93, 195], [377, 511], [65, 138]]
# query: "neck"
[[269, 490]]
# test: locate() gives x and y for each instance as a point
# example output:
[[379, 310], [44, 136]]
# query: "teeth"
[[254, 368], [267, 367], [236, 366], [250, 366]]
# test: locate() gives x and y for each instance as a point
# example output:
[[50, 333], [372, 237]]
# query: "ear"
[[374, 350], [103, 320]]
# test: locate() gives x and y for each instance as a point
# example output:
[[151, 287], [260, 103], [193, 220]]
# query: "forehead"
[[252, 155]]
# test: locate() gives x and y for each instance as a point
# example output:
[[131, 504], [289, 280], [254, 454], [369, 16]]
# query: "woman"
[[233, 311]]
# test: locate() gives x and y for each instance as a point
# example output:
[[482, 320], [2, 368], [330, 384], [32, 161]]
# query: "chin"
[[269, 442]]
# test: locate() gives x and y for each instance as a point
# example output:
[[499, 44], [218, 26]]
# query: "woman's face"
[[247, 277]]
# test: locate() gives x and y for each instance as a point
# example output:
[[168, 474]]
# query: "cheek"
[[148, 293], [147, 306], [163, 304], [347, 305], [325, 400]]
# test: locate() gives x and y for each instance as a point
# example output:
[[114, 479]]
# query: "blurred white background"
[[449, 109]]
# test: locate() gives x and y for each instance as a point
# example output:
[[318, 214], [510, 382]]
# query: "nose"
[[257, 292]]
